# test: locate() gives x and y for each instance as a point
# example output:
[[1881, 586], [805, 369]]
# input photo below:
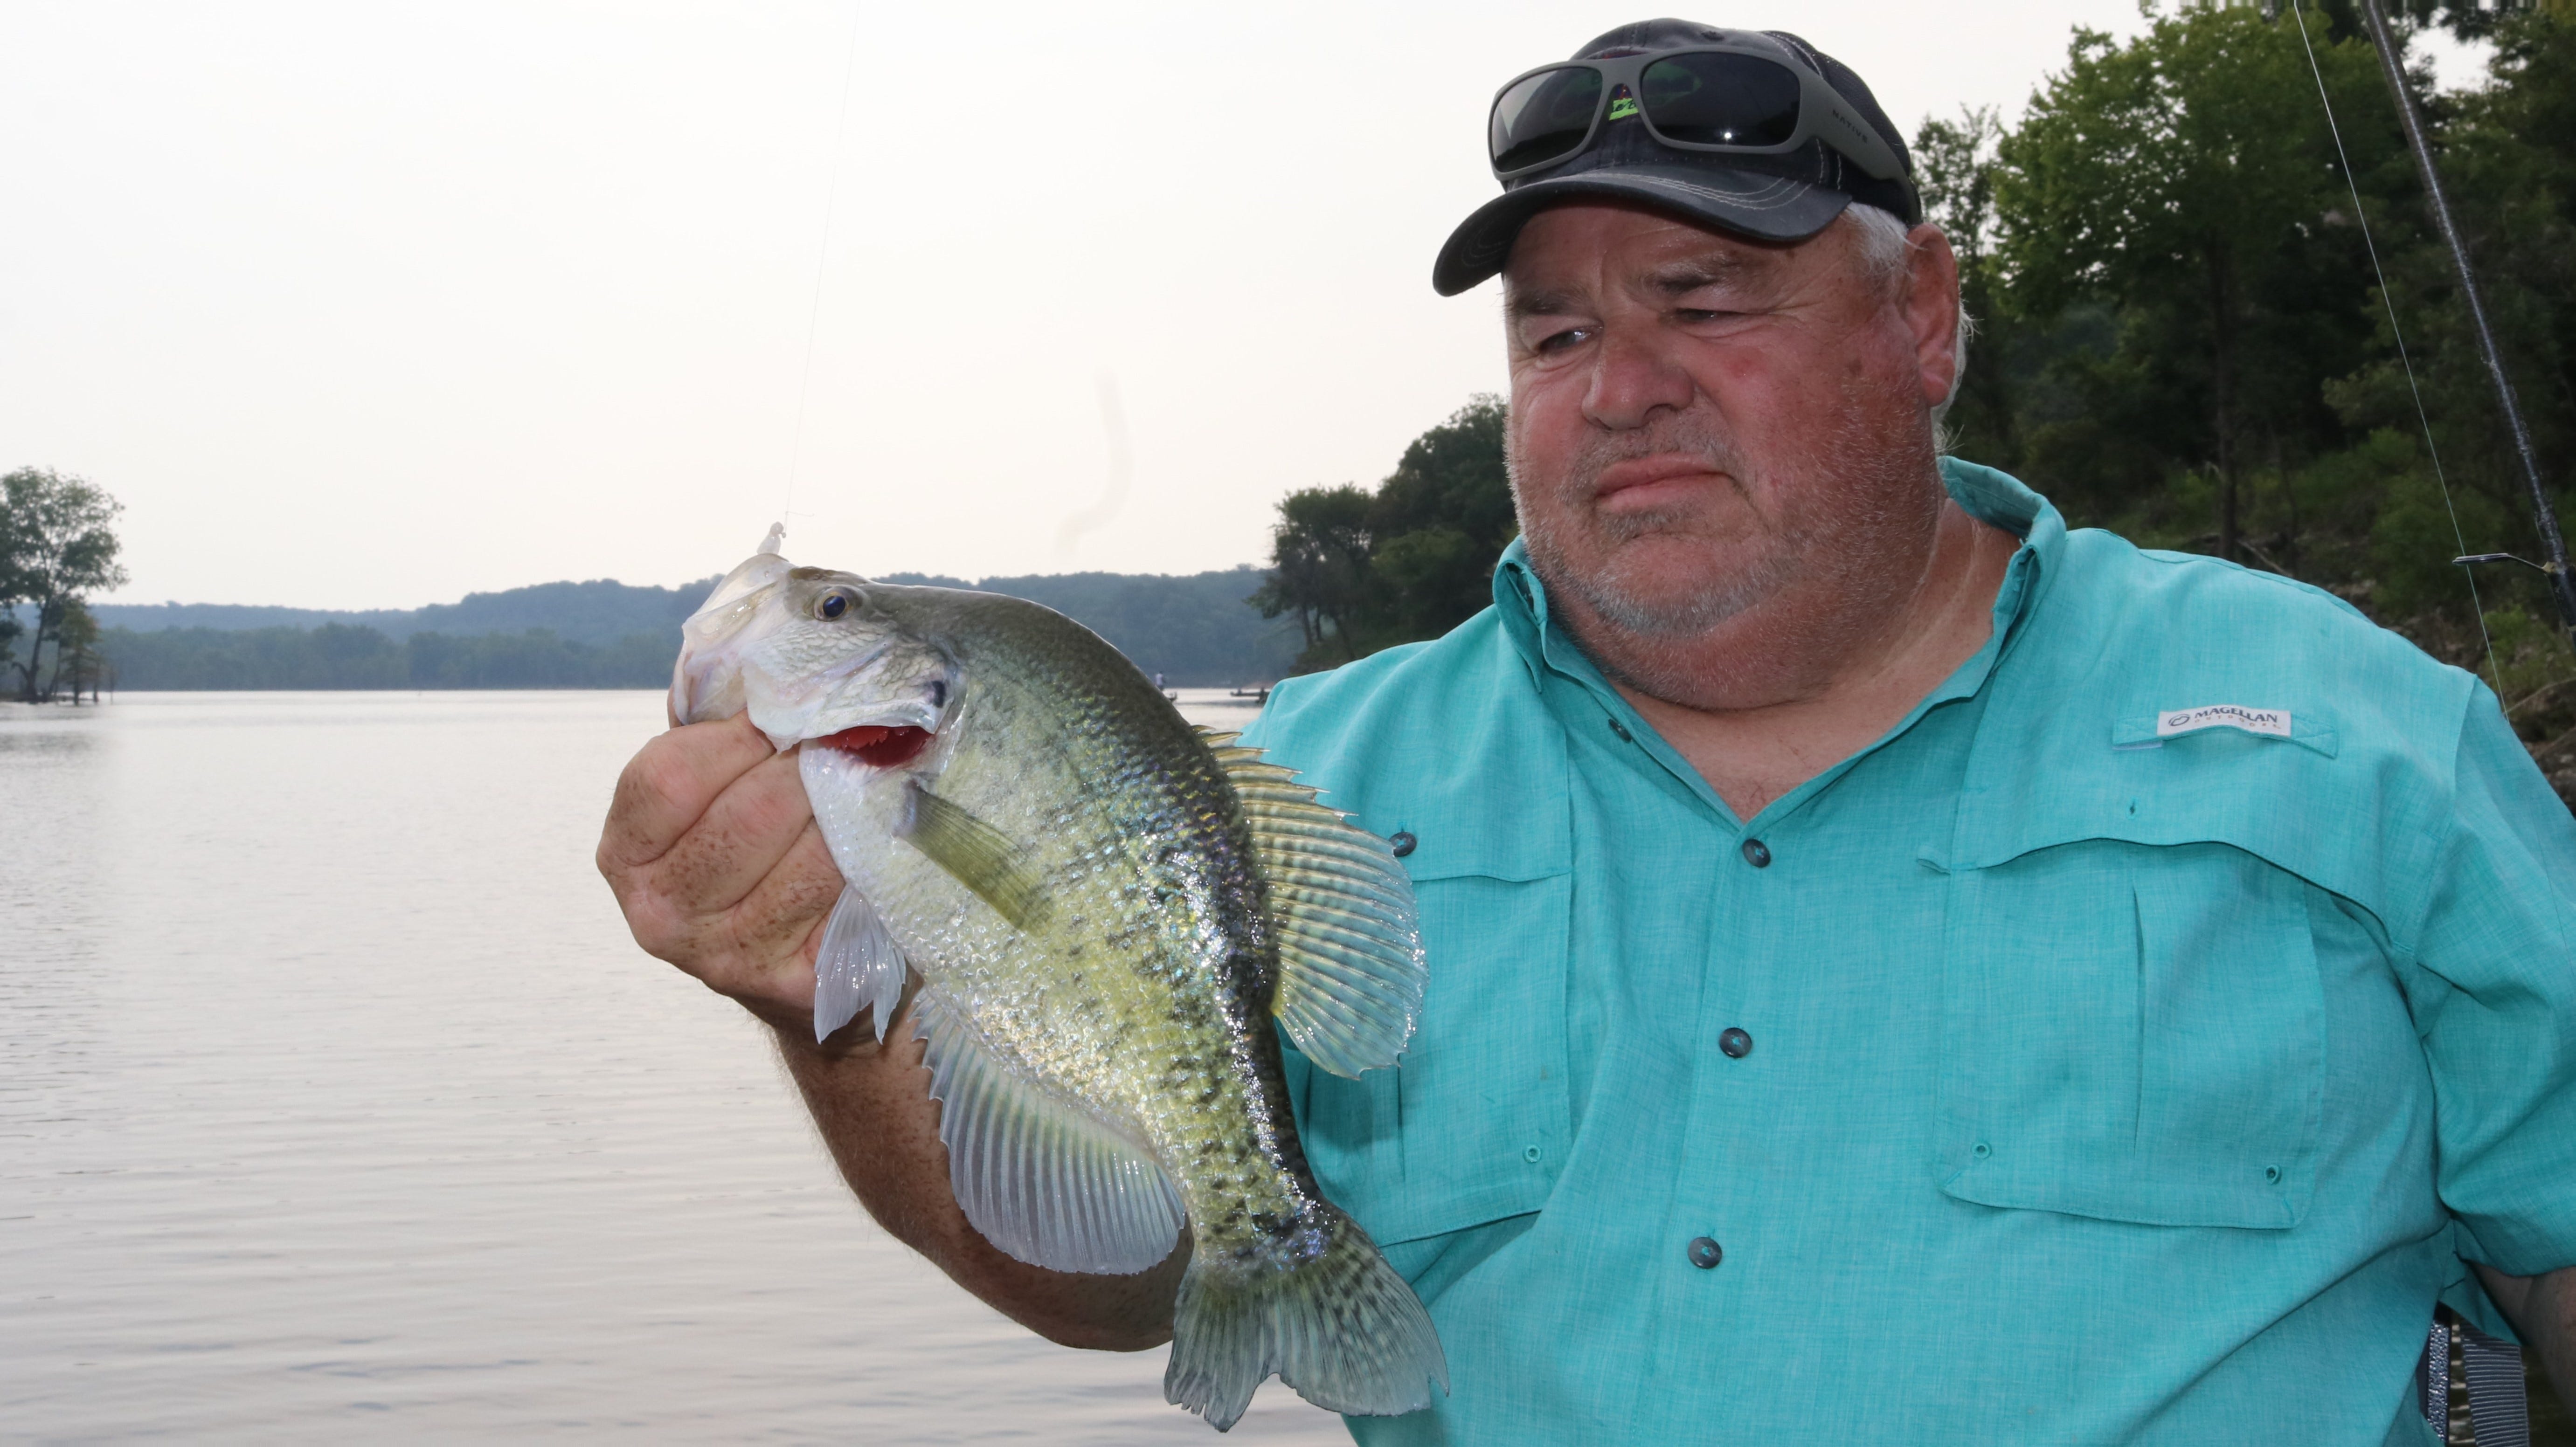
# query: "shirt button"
[[1735, 1043], [1757, 853], [1705, 1253], [1401, 842]]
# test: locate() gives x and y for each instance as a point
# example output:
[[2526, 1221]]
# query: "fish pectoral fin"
[[1350, 948], [1041, 1177], [858, 968], [976, 855]]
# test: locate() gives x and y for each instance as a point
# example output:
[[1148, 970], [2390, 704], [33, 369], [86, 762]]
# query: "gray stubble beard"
[[1718, 598], [1855, 528]]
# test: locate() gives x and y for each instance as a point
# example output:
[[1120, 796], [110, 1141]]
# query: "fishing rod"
[[2562, 586]]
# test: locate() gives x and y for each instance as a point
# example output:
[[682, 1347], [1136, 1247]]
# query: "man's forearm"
[[873, 1107], [2543, 1312]]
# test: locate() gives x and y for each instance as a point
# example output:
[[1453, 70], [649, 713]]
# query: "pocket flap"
[[2133, 1033], [2213, 784]]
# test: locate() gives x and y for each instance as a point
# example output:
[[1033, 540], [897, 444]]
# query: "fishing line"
[[822, 260], [2388, 299]]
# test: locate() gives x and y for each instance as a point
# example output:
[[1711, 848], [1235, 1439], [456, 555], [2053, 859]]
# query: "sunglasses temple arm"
[[1846, 133]]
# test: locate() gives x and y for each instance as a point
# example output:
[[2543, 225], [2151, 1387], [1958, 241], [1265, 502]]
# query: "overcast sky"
[[374, 305]]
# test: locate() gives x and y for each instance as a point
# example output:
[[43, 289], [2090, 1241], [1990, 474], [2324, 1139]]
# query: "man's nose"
[[1633, 377]]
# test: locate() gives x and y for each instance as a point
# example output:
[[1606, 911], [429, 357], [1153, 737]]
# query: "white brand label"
[[2273, 721]]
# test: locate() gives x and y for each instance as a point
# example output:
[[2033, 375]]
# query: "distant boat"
[[1259, 694]]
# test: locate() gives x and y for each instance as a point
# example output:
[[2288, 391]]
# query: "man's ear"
[[1932, 310]]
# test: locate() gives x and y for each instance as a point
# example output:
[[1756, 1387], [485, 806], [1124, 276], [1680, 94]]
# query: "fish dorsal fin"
[[1042, 1178], [976, 855], [859, 967], [1350, 951]]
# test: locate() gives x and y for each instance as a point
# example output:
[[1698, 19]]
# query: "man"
[[1901, 971]]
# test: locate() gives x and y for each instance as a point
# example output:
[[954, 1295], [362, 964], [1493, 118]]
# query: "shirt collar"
[[1987, 495]]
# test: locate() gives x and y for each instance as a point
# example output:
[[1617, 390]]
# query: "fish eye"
[[833, 605]]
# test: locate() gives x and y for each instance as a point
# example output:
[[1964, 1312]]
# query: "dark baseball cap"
[[1789, 196]]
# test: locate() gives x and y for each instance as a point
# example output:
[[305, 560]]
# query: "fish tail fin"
[[1342, 1328]]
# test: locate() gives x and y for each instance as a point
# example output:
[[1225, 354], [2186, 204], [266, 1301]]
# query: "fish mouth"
[[879, 746], [889, 734]]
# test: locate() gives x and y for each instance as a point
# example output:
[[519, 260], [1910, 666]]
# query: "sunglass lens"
[[1719, 99], [1544, 117]]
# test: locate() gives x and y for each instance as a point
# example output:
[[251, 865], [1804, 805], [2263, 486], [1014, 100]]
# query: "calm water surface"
[[336, 1102]]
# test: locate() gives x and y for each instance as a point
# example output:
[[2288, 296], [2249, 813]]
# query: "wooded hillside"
[[1195, 629]]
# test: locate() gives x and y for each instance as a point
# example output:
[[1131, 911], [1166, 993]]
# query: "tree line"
[[58, 546], [1192, 628], [2182, 336], [338, 655]]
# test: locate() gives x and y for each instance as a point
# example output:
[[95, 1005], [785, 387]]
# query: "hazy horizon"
[[366, 309], [125, 600]]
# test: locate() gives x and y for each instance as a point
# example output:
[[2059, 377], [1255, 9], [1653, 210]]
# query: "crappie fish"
[[1106, 909]]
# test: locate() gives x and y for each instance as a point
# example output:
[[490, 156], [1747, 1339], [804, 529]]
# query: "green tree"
[[2187, 183], [56, 546], [2468, 19], [78, 664], [1320, 555], [1444, 515], [1362, 571], [1954, 166], [2508, 156]]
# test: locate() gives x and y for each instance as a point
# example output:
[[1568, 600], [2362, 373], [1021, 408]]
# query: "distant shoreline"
[[1195, 629]]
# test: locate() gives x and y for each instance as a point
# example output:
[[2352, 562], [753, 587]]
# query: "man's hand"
[[2543, 1312], [712, 850]]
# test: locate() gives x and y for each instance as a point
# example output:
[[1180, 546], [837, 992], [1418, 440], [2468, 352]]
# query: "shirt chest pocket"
[[1472, 1126], [2133, 1032]]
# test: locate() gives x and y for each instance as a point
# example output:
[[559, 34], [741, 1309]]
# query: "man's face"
[[1706, 430]]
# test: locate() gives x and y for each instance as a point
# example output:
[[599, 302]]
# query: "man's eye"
[[1560, 341]]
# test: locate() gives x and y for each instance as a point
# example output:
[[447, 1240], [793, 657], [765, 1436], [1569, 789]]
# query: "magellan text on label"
[[2273, 721]]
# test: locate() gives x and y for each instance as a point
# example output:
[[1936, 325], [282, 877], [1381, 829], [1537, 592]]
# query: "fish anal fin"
[[1350, 949], [1043, 1179], [976, 855]]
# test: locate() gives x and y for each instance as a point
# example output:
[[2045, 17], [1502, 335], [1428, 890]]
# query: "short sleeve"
[[2496, 1004]]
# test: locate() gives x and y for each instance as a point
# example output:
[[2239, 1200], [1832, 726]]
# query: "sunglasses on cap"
[[1745, 99]]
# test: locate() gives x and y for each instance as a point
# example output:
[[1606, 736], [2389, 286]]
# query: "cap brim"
[[1765, 208]]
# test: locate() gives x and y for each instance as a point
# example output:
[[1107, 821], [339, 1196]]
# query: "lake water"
[[335, 1102]]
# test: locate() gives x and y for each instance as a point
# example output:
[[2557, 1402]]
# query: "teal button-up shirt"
[[2138, 1033]]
